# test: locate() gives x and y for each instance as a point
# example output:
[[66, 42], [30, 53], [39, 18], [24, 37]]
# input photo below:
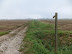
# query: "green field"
[[40, 39]]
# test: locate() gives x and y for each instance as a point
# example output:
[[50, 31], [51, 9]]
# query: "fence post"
[[56, 43]]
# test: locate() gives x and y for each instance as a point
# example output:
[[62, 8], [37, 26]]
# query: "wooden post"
[[56, 15]]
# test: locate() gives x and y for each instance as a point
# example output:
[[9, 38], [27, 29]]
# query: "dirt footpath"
[[10, 43]]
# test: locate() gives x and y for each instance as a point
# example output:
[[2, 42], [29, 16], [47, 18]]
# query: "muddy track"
[[10, 43]]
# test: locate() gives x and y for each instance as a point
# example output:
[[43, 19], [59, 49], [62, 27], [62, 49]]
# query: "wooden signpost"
[[56, 16]]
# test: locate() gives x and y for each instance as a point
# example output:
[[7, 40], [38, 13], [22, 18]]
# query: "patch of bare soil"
[[10, 43]]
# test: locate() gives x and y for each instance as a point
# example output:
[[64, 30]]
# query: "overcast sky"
[[19, 9]]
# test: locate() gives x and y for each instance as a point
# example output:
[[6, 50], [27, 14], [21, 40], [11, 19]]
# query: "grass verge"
[[40, 40]]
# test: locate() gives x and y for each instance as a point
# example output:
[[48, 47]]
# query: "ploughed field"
[[66, 24], [7, 25]]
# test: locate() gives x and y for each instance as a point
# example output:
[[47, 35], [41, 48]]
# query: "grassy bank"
[[40, 40]]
